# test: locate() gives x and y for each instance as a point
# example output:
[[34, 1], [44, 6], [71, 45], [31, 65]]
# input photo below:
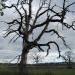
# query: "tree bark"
[[22, 64]]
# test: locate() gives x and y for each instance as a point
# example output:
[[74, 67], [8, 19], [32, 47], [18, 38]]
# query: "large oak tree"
[[28, 21]]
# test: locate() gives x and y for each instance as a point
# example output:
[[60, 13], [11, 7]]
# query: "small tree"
[[37, 58], [68, 57], [28, 21]]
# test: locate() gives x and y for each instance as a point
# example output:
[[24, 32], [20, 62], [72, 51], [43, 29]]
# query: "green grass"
[[4, 70], [53, 72], [64, 72]]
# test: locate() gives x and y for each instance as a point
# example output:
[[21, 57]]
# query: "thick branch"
[[14, 21], [62, 38], [43, 31], [48, 45]]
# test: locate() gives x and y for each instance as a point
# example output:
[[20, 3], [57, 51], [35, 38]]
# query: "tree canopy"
[[28, 22]]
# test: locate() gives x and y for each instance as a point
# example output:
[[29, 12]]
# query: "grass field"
[[4, 70], [53, 72]]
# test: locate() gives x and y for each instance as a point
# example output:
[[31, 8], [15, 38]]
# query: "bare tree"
[[27, 23], [68, 57], [37, 58]]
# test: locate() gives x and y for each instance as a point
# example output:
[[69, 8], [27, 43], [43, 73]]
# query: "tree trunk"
[[22, 64]]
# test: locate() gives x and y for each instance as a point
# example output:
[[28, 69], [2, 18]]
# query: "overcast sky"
[[9, 50]]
